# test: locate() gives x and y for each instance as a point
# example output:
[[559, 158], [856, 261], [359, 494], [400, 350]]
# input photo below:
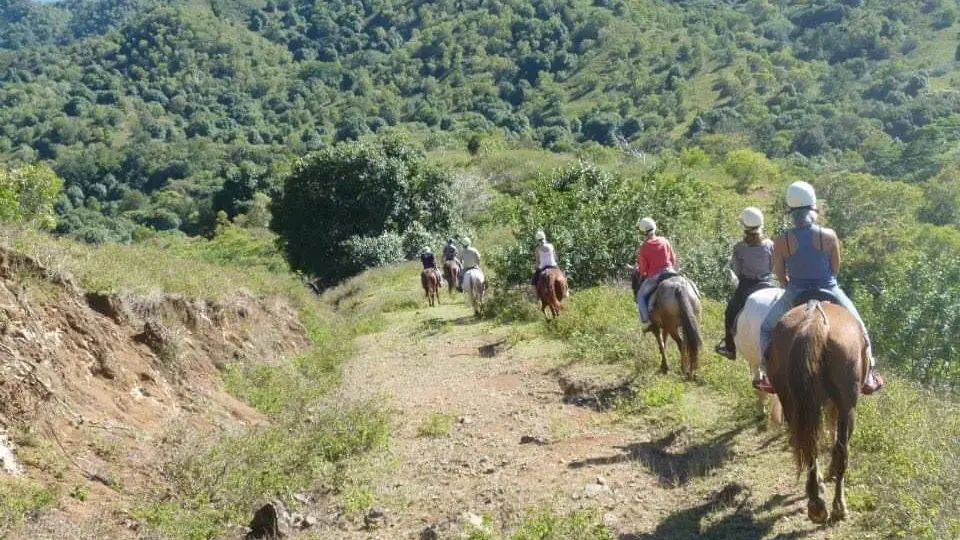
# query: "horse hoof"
[[817, 511], [839, 512]]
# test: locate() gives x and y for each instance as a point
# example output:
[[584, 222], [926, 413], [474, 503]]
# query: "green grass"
[[195, 267], [904, 454], [216, 482], [436, 425], [21, 498], [544, 523], [547, 524], [357, 500]]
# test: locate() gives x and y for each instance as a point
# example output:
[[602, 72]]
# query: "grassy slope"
[[217, 478]]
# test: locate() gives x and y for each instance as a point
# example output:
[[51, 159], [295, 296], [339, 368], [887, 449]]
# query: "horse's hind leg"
[[838, 463], [816, 506], [663, 352], [684, 357]]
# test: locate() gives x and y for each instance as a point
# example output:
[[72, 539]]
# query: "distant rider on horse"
[[430, 263], [655, 259], [752, 263], [469, 259], [544, 255], [450, 251], [807, 258]]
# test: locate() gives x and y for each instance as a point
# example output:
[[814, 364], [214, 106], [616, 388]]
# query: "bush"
[[362, 252], [590, 217], [750, 169], [342, 198], [906, 283], [415, 238], [27, 195]]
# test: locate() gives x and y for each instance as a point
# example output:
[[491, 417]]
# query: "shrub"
[[590, 217], [750, 169], [342, 198], [362, 252], [27, 195]]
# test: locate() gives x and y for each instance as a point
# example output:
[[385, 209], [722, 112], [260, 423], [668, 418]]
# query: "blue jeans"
[[785, 303], [646, 288]]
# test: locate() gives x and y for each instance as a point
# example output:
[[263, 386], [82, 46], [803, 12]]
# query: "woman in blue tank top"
[[805, 258]]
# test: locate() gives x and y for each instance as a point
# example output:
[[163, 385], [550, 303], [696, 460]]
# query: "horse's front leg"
[[816, 506]]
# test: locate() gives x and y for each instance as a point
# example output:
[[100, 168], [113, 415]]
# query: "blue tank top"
[[809, 267]]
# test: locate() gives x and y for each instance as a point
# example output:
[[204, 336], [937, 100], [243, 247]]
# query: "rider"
[[450, 251], [752, 263], [544, 255], [805, 258], [469, 258], [654, 258], [429, 263]]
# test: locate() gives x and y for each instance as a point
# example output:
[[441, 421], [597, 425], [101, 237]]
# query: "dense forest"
[[157, 114]]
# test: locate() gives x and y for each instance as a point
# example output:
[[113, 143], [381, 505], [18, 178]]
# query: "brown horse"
[[451, 273], [677, 310], [818, 357], [430, 279], [551, 289]]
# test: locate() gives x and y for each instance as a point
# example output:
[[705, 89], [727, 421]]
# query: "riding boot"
[[761, 382], [872, 383]]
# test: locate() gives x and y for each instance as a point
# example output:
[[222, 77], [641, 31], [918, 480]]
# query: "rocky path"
[[504, 442]]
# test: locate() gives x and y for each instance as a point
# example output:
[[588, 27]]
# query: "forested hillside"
[[146, 107]]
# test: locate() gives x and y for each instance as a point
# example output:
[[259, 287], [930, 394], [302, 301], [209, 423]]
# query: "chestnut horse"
[[451, 273], [817, 358], [551, 289], [430, 279]]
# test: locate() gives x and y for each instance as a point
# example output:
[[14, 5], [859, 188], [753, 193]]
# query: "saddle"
[[818, 295], [636, 281], [652, 299]]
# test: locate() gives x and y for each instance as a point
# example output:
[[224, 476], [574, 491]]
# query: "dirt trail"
[[645, 480]]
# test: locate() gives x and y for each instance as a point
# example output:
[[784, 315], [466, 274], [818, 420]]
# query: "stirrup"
[[763, 384]]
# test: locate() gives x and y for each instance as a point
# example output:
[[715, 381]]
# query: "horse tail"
[[692, 340], [806, 390], [559, 290]]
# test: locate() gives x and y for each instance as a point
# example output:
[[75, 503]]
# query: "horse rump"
[[552, 289]]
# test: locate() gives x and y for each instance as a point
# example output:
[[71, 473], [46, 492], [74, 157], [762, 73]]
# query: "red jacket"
[[654, 256]]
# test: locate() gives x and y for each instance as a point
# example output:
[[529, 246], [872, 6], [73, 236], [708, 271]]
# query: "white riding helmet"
[[751, 218], [540, 236], [648, 225], [427, 250], [801, 195], [465, 242]]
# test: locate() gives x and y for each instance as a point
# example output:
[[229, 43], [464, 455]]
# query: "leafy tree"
[[854, 201], [357, 190], [750, 169], [27, 195]]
